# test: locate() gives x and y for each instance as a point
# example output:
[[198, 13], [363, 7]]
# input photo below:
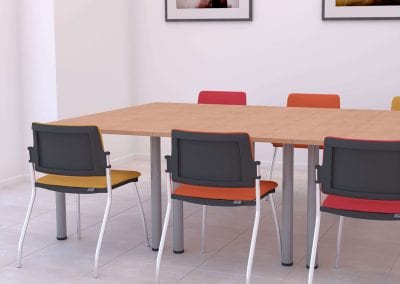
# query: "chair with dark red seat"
[[222, 98], [215, 169], [361, 179], [309, 101]]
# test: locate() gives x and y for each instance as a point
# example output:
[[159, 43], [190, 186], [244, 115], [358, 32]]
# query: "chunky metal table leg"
[[155, 153], [61, 216], [313, 159], [287, 206], [177, 210]]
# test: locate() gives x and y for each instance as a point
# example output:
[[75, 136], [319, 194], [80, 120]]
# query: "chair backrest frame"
[[313, 100], [361, 169], [212, 159], [222, 97], [68, 150], [395, 103]]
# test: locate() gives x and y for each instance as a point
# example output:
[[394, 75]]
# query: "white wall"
[[27, 79], [286, 48], [38, 65], [11, 144], [94, 60], [111, 54]]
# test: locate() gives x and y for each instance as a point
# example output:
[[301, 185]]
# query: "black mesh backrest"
[[362, 169], [68, 150], [212, 159]]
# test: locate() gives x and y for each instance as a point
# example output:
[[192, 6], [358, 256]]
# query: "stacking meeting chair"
[[361, 180], [396, 103], [215, 169], [222, 98], [73, 161], [219, 98], [311, 101]]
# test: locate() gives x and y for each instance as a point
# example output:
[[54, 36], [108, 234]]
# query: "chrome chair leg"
[[203, 228], [27, 217], [278, 231], [339, 241], [315, 239], [164, 231], [78, 216], [254, 233], [103, 224], [273, 163], [146, 235]]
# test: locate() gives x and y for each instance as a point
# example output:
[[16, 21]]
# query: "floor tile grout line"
[[390, 269], [110, 261], [32, 218], [217, 251], [239, 235]]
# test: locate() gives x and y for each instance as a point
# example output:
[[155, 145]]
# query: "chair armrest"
[[318, 169], [30, 151], [168, 159]]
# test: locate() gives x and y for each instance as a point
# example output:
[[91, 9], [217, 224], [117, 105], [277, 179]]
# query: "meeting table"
[[266, 124]]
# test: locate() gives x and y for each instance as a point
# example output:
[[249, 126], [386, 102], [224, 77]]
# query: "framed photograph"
[[208, 10], [360, 9]]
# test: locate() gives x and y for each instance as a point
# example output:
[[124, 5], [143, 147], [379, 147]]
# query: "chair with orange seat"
[[219, 98], [309, 101], [361, 180], [215, 169], [396, 103]]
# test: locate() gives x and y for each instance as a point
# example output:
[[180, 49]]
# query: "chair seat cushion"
[[118, 178], [295, 146], [222, 193], [362, 205]]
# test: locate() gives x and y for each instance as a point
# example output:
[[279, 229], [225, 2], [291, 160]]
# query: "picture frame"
[[203, 10], [360, 10]]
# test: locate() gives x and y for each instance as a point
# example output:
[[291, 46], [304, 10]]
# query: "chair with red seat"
[[222, 98], [215, 169], [219, 98], [309, 101], [361, 180]]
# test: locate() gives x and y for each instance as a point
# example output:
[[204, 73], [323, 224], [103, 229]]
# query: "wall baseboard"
[[13, 180], [265, 165]]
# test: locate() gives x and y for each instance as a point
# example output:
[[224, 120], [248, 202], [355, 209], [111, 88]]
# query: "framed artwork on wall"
[[208, 10], [360, 9]]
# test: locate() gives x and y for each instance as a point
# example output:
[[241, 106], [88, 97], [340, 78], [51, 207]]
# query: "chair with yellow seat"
[[74, 161], [396, 103]]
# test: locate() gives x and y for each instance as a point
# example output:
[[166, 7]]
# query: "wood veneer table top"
[[263, 123]]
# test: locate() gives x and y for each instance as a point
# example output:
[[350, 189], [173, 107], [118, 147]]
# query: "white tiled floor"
[[371, 250]]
